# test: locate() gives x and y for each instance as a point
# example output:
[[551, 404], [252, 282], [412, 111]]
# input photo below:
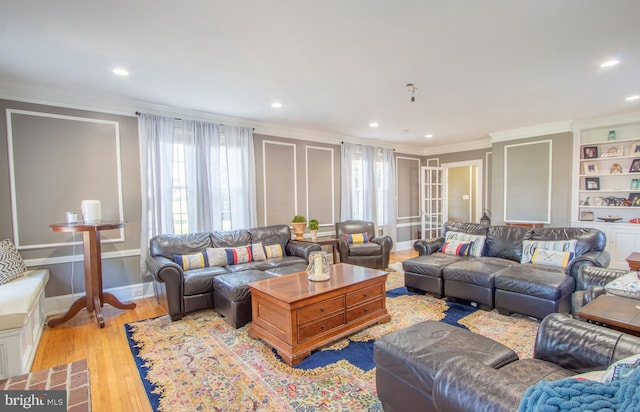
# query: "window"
[[180, 200], [358, 200]]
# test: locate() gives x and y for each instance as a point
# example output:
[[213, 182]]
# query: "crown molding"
[[484, 143], [605, 121], [532, 131]]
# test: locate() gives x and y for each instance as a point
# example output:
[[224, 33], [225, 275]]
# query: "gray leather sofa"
[[463, 381], [181, 291], [497, 278]]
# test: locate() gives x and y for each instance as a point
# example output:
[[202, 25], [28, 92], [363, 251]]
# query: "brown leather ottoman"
[[407, 361], [231, 295]]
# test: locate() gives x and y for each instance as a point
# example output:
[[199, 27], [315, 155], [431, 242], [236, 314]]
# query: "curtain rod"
[[361, 145], [177, 118]]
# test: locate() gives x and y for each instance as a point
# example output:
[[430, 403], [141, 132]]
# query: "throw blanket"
[[583, 395]]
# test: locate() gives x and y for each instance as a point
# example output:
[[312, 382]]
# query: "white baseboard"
[[60, 304], [408, 245]]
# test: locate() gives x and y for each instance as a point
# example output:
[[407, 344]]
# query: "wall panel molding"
[[308, 186], [266, 170]]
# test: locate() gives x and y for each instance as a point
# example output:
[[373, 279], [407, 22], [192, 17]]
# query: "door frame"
[[479, 192]]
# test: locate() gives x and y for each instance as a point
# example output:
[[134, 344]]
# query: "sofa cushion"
[[528, 280], [477, 271], [273, 251], [529, 247], [506, 241], [170, 245], [198, 281], [11, 264], [365, 249], [626, 285], [430, 265], [270, 235], [235, 286], [237, 255], [231, 238], [477, 248], [258, 251], [588, 239], [530, 371], [19, 296]]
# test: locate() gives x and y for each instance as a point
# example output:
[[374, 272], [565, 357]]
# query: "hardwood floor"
[[115, 383]]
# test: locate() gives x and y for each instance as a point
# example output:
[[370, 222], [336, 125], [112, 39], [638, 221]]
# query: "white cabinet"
[[606, 182]]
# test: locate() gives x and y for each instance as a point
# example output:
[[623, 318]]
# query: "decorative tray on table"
[[610, 218]]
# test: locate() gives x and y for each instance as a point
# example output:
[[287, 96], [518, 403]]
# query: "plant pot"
[[298, 229], [314, 234]]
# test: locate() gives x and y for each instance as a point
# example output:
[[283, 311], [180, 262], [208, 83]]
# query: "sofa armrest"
[[581, 346], [596, 258], [466, 384], [596, 276], [593, 292], [301, 249], [343, 248], [163, 269], [428, 246]]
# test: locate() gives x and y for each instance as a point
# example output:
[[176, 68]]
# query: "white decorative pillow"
[[551, 258], [11, 263], [622, 368], [478, 241], [626, 285], [529, 247], [217, 256], [258, 251]]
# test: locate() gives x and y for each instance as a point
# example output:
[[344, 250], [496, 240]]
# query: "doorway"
[[462, 191]]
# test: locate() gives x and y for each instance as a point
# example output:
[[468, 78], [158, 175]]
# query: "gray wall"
[[408, 192], [61, 156], [560, 177]]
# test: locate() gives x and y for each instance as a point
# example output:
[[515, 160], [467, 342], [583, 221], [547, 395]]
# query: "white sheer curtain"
[[219, 176], [369, 186]]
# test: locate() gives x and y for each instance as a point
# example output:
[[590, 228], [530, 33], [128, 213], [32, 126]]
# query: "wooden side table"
[[322, 241], [94, 298], [634, 261]]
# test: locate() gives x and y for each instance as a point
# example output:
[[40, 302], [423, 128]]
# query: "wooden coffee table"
[[618, 312], [296, 316]]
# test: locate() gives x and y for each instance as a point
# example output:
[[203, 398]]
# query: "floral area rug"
[[202, 363]]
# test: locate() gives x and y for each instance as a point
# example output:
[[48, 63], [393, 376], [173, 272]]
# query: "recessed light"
[[631, 98], [428, 136], [120, 71], [276, 105], [373, 124], [609, 63]]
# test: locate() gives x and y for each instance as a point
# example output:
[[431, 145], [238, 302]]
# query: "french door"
[[431, 194]]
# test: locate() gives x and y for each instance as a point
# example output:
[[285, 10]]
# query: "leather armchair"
[[374, 254], [590, 284]]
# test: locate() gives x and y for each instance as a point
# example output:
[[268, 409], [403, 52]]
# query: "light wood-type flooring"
[[115, 383]]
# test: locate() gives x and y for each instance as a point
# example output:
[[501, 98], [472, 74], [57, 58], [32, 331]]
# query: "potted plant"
[[299, 223], [313, 228]]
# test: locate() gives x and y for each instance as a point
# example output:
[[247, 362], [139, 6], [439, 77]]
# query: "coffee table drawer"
[[353, 298], [318, 328], [364, 310], [320, 309]]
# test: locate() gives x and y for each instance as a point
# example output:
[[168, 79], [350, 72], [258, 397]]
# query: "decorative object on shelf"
[[585, 202], [586, 216], [635, 184], [318, 269], [613, 151], [590, 168], [616, 201], [590, 152], [610, 219], [313, 228], [615, 168], [592, 183], [485, 220], [634, 198], [597, 201], [299, 223], [637, 149], [635, 220], [635, 166], [611, 135]]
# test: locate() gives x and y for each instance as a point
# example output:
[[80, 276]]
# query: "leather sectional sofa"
[[451, 376], [497, 278], [181, 291]]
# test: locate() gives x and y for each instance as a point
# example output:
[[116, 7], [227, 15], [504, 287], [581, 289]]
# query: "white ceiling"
[[336, 65]]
